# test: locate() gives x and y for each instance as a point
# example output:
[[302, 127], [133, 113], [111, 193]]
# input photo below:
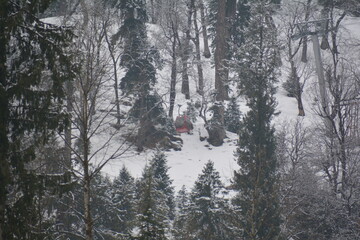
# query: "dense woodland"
[[78, 76]]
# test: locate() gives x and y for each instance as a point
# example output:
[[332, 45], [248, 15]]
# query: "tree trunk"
[[4, 112], [116, 89], [299, 99], [198, 55], [185, 89], [114, 60], [173, 77], [304, 39], [298, 87], [4, 167], [85, 114], [226, 11], [215, 128], [87, 194], [152, 12], [204, 24], [69, 108], [145, 123], [85, 13], [220, 41]]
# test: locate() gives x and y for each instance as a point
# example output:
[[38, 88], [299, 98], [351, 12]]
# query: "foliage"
[[209, 215], [180, 229], [122, 203], [33, 67], [232, 116], [191, 111], [236, 27], [154, 111], [101, 198], [152, 208], [256, 180], [164, 184], [140, 70]]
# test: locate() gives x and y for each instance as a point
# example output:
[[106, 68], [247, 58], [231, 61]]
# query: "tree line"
[[79, 90]]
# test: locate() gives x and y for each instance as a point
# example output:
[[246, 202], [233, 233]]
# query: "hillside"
[[90, 98], [185, 165]]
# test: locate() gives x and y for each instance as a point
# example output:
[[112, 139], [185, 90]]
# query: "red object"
[[182, 129], [183, 124]]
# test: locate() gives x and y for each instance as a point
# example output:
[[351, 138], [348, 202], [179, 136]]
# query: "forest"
[[87, 86]]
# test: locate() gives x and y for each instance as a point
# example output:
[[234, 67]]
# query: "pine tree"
[[137, 57], [209, 214], [30, 107], [180, 228], [256, 180], [232, 116], [122, 203], [140, 59], [164, 184], [102, 207], [152, 219]]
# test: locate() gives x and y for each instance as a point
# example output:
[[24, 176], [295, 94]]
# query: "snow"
[[187, 164]]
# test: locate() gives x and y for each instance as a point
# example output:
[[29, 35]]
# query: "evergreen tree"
[[122, 205], [180, 229], [232, 116], [163, 182], [152, 219], [209, 214], [139, 59], [137, 56], [30, 107], [102, 207], [256, 180]]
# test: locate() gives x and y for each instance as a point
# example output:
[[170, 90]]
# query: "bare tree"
[[185, 48], [95, 141], [115, 51], [309, 209], [204, 26], [305, 38], [298, 73], [196, 41], [340, 156], [170, 28]]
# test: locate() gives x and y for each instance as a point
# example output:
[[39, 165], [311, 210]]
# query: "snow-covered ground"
[[187, 164]]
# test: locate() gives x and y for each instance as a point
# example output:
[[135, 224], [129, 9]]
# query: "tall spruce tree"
[[29, 106], [256, 180], [152, 220], [164, 184], [102, 210], [209, 215], [180, 228], [123, 197], [139, 59]]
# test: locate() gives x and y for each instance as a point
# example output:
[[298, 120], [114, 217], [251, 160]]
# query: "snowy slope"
[[185, 165]]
